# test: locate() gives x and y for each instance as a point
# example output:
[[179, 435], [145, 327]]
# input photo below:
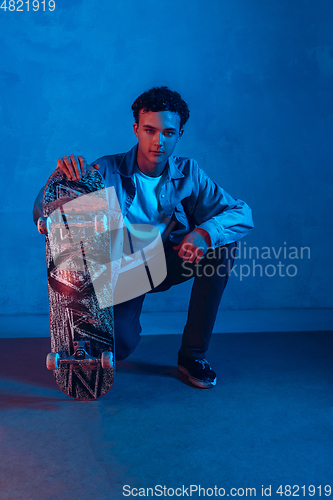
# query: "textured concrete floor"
[[269, 421]]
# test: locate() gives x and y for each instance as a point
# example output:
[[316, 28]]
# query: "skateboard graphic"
[[78, 255]]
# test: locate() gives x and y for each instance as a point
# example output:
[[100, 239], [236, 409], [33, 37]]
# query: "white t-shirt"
[[146, 209]]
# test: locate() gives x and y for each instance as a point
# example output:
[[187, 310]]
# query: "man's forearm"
[[230, 225]]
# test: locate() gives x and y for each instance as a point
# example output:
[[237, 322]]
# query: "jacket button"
[[163, 195]]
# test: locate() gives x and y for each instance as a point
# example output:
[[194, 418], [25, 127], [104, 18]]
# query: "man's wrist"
[[205, 234]]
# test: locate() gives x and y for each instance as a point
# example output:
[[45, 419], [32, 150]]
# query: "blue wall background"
[[258, 79]]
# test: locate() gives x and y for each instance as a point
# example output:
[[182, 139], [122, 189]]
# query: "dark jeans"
[[210, 278]]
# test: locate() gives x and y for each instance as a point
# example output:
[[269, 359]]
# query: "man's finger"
[[82, 163], [199, 256], [75, 167], [69, 166], [63, 167], [193, 255], [60, 164], [186, 252], [182, 251]]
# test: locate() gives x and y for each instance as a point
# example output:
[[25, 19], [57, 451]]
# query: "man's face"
[[157, 133]]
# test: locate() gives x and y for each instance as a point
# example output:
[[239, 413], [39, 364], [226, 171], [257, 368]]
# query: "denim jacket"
[[188, 196]]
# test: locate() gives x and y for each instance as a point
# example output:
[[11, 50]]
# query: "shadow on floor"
[[24, 360], [268, 422]]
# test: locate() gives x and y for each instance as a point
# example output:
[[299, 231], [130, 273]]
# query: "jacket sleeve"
[[226, 219], [38, 206]]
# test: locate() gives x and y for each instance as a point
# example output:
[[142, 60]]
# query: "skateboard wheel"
[[101, 223], [52, 361], [107, 359], [44, 225]]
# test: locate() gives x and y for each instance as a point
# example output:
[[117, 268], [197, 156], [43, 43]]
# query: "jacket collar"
[[126, 167]]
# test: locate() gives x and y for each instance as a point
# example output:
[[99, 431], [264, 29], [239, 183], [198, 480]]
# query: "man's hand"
[[194, 245], [74, 168]]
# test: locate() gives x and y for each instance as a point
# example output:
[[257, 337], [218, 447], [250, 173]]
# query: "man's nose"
[[159, 139]]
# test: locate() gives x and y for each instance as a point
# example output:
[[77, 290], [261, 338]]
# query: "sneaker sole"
[[195, 381]]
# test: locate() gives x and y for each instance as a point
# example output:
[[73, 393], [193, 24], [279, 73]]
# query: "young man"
[[199, 223]]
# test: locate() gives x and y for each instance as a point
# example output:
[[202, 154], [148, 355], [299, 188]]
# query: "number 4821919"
[[20, 6]]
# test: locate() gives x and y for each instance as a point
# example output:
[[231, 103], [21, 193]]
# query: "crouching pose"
[[199, 224]]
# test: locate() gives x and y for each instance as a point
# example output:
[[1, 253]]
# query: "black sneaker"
[[198, 371]]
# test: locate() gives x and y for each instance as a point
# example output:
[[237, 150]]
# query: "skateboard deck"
[[78, 254]]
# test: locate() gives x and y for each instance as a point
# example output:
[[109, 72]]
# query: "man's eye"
[[149, 131]]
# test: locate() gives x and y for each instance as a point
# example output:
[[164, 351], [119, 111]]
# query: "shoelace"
[[204, 363]]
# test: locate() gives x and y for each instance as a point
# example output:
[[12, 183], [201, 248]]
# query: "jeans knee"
[[127, 327], [123, 348]]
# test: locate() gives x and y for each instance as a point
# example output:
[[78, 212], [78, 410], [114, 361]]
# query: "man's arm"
[[225, 218], [38, 206]]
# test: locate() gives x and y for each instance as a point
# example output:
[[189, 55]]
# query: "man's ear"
[[180, 134], [135, 128]]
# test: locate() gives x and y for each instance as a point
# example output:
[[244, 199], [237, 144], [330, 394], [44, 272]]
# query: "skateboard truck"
[[81, 349], [79, 357]]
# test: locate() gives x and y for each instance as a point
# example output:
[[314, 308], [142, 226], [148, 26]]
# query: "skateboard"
[[78, 255]]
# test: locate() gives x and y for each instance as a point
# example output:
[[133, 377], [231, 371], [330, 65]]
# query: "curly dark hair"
[[161, 99]]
